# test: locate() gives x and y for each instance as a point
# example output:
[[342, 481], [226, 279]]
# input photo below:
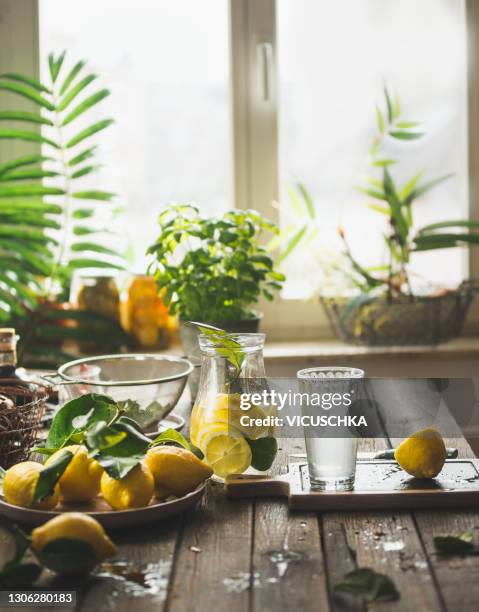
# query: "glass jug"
[[225, 425]]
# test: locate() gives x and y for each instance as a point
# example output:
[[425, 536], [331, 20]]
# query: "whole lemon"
[[176, 469], [81, 480], [19, 486], [132, 491], [423, 454], [71, 526]]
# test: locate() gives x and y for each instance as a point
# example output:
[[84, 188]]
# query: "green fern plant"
[[49, 221]]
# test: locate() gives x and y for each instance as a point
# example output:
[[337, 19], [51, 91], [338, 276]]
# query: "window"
[[333, 60], [224, 103], [166, 64]]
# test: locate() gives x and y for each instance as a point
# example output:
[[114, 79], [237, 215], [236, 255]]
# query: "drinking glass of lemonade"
[[331, 460], [220, 426]]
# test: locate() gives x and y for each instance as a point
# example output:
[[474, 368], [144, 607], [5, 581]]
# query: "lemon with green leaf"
[[20, 484], [134, 490], [72, 543], [176, 471], [80, 481], [423, 454]]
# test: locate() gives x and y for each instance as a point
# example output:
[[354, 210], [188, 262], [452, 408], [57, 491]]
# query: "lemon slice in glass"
[[226, 454]]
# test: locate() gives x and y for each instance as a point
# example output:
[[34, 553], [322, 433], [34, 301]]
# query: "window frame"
[[254, 126]]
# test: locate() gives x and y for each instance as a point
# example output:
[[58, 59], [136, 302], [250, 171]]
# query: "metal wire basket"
[[422, 320], [19, 419]]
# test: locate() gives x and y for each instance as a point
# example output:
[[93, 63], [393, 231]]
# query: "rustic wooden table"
[[255, 555]]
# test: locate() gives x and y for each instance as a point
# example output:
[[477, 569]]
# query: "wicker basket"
[[374, 321], [19, 426]]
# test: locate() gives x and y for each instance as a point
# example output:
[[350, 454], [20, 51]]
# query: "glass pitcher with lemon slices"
[[232, 433]]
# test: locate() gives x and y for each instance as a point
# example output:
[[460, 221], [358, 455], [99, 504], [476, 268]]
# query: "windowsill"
[[464, 348]]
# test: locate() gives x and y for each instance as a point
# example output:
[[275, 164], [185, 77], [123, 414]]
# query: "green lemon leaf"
[[118, 467], [367, 583], [171, 436], [62, 426], [2, 476], [101, 436], [455, 545], [68, 556], [224, 344], [23, 574], [263, 452], [50, 475]]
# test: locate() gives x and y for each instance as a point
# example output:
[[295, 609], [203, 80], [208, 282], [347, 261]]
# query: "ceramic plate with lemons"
[[167, 482], [96, 460]]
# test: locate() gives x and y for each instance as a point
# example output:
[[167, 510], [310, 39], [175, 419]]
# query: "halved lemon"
[[227, 454], [211, 429]]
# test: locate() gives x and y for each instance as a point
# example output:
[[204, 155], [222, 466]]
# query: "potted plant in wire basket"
[[213, 269], [384, 308]]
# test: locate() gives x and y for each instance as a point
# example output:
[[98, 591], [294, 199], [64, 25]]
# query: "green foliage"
[[225, 345], [213, 269], [105, 428], [396, 203], [50, 475], [263, 452], [68, 556], [301, 222], [365, 582], [45, 210], [456, 545]]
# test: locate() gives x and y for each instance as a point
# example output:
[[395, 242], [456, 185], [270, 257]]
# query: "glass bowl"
[[151, 384]]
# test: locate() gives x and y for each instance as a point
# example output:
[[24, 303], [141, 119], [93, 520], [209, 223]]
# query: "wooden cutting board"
[[379, 485]]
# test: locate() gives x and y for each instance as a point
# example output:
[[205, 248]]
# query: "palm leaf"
[[9, 191], [55, 65], [71, 76], [85, 105], [83, 171], [94, 248], [85, 262], [25, 232], [24, 116], [84, 155], [87, 132], [27, 92], [73, 93], [27, 80], [94, 195], [27, 137], [30, 205], [22, 175], [22, 161]]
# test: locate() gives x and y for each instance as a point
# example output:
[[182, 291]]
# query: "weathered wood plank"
[[287, 558], [452, 571], [212, 569], [384, 541], [138, 577]]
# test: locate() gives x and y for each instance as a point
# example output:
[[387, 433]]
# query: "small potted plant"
[[385, 308], [213, 269]]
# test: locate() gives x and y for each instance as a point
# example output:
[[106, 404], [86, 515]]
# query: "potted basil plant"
[[213, 269]]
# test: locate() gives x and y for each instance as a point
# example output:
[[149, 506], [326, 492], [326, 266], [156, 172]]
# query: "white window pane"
[[333, 58], [166, 64]]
